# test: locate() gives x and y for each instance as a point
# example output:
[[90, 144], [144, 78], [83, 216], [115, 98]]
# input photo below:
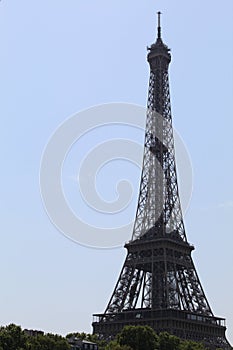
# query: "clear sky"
[[60, 57]]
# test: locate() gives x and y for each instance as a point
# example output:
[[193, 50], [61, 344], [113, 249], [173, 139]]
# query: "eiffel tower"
[[158, 284]]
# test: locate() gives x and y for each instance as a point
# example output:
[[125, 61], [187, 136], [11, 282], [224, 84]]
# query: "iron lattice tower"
[[158, 285]]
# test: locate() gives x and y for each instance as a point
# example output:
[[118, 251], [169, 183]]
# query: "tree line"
[[12, 337]]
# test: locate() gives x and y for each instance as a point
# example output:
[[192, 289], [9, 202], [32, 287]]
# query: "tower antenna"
[[159, 27]]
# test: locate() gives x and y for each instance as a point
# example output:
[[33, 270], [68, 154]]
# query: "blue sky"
[[58, 58]]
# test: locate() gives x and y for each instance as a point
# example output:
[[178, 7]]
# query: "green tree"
[[138, 337], [191, 345], [47, 342], [113, 345], [12, 337], [167, 341], [78, 335]]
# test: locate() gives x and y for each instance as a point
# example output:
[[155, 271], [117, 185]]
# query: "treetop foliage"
[[12, 337]]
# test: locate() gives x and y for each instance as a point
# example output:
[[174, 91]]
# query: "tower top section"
[[158, 49]]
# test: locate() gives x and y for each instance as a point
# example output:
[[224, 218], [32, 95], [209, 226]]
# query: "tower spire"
[[159, 26]]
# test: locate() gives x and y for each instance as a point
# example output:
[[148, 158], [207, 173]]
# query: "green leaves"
[[144, 338], [168, 342], [12, 337], [138, 337], [113, 345], [191, 345]]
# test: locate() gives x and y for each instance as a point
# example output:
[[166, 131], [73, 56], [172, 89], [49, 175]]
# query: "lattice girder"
[[158, 284], [159, 274]]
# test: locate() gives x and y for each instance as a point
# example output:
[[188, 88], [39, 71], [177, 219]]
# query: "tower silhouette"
[[158, 284]]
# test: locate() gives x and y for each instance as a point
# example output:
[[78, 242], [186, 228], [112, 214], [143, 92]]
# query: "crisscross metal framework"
[[159, 275]]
